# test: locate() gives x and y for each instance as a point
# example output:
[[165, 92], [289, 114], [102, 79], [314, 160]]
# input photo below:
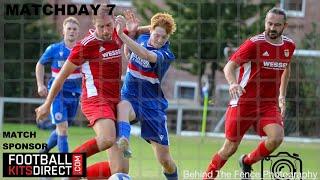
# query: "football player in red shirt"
[[99, 55], [258, 74]]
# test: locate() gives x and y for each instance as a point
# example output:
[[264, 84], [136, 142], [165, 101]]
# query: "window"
[[186, 90], [294, 8]]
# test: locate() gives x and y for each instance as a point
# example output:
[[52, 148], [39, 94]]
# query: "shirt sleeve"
[[164, 59], [78, 54], [245, 53], [47, 56], [164, 56]]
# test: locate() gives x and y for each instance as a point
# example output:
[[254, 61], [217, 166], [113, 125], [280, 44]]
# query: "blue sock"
[[63, 144], [124, 129], [173, 176], [52, 140]]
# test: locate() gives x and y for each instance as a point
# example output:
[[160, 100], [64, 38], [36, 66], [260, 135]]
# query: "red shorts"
[[94, 110], [240, 118]]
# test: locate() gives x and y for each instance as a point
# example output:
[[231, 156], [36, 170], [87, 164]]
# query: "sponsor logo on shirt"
[[60, 63], [111, 54], [144, 63], [274, 65]]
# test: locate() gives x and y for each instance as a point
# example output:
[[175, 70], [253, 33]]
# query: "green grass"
[[190, 153]]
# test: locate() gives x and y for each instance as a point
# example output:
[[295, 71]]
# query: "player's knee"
[[228, 150], [274, 142], [167, 163], [123, 105], [62, 130], [105, 142]]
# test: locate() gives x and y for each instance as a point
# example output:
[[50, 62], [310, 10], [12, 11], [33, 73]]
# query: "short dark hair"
[[279, 11]]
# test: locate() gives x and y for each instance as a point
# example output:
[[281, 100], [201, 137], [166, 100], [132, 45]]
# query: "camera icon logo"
[[282, 166]]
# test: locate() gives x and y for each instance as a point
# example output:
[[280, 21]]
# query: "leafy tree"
[[25, 38], [205, 28], [304, 90]]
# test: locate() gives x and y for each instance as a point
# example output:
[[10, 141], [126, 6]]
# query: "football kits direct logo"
[[44, 165]]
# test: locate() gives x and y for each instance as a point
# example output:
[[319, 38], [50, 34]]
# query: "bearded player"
[[258, 74]]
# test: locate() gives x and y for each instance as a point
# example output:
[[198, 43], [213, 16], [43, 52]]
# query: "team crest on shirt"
[[286, 53], [58, 116]]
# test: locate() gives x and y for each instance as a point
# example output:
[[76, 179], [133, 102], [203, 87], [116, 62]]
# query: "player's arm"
[[132, 45], [126, 51], [42, 89], [143, 29], [43, 110], [244, 54], [283, 89], [46, 58], [235, 90]]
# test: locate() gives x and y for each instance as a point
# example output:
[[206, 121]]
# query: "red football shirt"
[[261, 66], [100, 62]]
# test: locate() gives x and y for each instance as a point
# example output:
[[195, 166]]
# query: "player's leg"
[[237, 122], [125, 114], [103, 170], [62, 140], [68, 105], [102, 119], [100, 170], [220, 158], [51, 142], [164, 157], [56, 116], [271, 125], [60, 117], [118, 163], [105, 137], [154, 130]]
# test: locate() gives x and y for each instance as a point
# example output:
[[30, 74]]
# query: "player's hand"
[[42, 91], [282, 105], [42, 112], [132, 23], [235, 91], [120, 24]]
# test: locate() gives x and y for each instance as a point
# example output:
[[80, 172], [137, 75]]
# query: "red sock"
[[256, 155], [216, 164], [90, 147], [100, 170]]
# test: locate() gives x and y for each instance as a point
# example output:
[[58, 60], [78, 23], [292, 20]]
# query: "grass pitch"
[[192, 154]]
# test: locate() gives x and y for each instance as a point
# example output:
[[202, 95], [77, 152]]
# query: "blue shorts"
[[64, 107], [153, 123]]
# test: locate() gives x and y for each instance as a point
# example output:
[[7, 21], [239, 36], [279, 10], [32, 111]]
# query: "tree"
[[304, 90], [25, 38], [205, 28]]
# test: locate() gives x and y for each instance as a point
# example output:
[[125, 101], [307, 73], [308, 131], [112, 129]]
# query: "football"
[[120, 176]]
